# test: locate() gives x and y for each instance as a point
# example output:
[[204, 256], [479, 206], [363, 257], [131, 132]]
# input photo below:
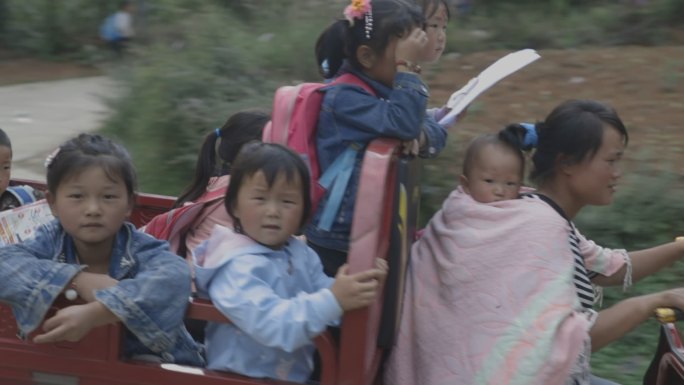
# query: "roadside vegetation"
[[197, 62]]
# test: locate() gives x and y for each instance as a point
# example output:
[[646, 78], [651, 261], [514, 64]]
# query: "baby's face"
[[496, 175], [5, 167]]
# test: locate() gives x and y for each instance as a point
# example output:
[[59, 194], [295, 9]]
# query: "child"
[[90, 252], [269, 283], [117, 29], [12, 196], [494, 166], [436, 13], [380, 43], [212, 173]]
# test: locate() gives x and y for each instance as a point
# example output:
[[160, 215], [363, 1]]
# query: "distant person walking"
[[117, 29]]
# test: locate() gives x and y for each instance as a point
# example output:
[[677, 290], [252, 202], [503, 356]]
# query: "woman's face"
[[594, 180]]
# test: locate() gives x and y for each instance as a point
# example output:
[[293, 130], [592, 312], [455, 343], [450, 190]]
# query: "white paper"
[[503, 67]]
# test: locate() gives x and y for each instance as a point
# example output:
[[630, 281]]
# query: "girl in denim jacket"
[[380, 43], [90, 252]]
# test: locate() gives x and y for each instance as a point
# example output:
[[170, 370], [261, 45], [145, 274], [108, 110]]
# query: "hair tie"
[[360, 9], [531, 137], [217, 131], [325, 67]]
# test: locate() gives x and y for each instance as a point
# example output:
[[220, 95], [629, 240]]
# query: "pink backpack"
[[172, 225], [295, 119]]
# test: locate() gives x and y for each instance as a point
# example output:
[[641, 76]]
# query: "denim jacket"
[[350, 116], [150, 298], [278, 302]]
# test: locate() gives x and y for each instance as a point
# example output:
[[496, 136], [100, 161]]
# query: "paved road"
[[39, 116]]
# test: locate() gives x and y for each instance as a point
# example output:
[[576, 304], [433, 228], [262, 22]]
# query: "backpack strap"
[[350, 78], [336, 177]]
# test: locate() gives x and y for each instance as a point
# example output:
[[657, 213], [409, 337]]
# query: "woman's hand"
[[74, 322]]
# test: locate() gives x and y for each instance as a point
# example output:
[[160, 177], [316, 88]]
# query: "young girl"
[[436, 13], [380, 43], [90, 253], [212, 173], [269, 283]]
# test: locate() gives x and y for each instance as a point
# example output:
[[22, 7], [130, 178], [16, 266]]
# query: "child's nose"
[[92, 206]]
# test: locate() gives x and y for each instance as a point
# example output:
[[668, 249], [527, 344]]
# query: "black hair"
[[218, 151], [340, 41], [574, 129], [272, 160], [511, 138], [430, 7], [87, 150], [4, 139]]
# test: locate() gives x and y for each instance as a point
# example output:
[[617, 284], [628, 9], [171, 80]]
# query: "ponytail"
[[331, 49], [219, 149]]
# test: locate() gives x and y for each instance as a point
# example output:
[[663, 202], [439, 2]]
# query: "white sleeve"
[[124, 24]]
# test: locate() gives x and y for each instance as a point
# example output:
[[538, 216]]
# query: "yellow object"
[[665, 315]]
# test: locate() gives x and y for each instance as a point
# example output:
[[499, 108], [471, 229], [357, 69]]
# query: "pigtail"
[[220, 148], [331, 49], [203, 171]]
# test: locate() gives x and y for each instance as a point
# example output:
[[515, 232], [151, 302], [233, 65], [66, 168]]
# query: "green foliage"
[[564, 24], [50, 28], [203, 68]]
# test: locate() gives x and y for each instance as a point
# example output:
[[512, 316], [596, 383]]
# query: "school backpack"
[[172, 226], [293, 123]]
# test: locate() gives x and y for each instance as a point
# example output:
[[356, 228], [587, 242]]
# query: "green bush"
[[201, 69]]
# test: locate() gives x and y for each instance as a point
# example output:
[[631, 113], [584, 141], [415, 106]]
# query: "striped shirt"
[[582, 276]]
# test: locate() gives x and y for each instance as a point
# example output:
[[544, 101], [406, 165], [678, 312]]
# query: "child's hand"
[[410, 46], [410, 147], [74, 322], [87, 283], [357, 290]]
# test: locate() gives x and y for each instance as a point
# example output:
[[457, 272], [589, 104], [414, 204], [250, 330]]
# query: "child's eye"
[[75, 196], [489, 180], [110, 196], [512, 184]]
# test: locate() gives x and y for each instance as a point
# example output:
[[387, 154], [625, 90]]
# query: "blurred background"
[[194, 63]]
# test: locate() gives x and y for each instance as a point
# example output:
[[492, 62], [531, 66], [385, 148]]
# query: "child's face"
[[5, 167], [91, 207], [496, 175], [270, 215], [435, 28]]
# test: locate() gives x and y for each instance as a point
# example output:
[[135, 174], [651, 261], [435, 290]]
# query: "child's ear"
[[51, 202], [365, 56], [564, 165], [464, 183], [131, 203]]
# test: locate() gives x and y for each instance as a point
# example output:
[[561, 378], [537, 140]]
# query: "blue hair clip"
[[531, 137], [217, 131]]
